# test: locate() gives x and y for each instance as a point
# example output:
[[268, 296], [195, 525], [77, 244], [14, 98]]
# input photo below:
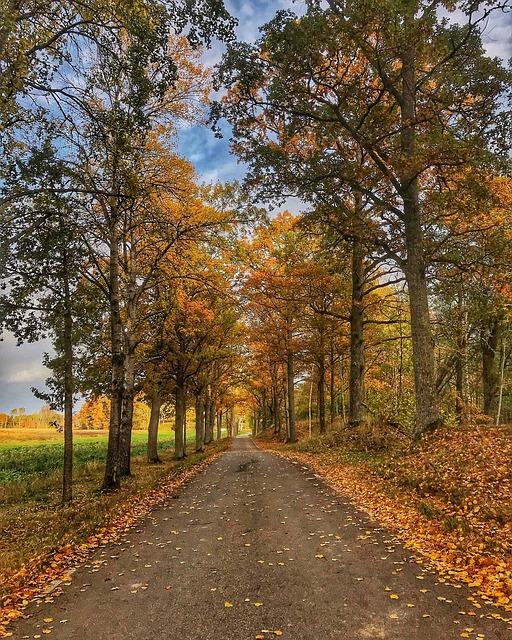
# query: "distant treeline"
[[94, 414]]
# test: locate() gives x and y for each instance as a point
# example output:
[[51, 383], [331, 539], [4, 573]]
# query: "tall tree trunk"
[[211, 421], [67, 476], [125, 436], [154, 422], [219, 424], [460, 362], [286, 411], [427, 415], [180, 407], [332, 382], [112, 477], [207, 411], [277, 413], [275, 401], [185, 424], [290, 379], [200, 411], [357, 412], [321, 394], [501, 383], [490, 339]]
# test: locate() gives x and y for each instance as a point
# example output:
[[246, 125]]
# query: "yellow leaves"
[[319, 555], [393, 616], [228, 604], [394, 596], [258, 604]]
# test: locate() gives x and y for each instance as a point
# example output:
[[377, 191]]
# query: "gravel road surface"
[[258, 547]]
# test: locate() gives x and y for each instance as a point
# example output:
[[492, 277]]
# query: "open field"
[[33, 437], [25, 453]]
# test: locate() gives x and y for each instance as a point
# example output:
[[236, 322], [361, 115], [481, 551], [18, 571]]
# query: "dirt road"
[[258, 547]]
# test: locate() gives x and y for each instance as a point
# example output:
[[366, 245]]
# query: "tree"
[[413, 94], [42, 280]]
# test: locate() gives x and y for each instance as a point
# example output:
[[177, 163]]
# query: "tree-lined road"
[[257, 547]]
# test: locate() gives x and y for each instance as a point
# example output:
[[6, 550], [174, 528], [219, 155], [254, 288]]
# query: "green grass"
[[21, 461]]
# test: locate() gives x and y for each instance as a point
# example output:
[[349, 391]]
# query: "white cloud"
[[497, 37], [33, 373]]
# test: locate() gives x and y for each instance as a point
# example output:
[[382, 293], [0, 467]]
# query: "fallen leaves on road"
[[20, 587], [449, 498]]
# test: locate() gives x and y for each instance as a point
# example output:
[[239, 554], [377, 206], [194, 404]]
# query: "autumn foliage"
[[448, 498]]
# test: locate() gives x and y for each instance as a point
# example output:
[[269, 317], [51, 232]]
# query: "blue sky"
[[20, 367]]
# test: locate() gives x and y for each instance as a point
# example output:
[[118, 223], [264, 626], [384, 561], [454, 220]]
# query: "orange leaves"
[[452, 498]]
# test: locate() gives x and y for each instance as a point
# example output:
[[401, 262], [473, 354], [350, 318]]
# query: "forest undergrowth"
[[448, 497]]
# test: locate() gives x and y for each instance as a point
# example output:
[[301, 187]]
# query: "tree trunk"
[[112, 477], [460, 362], [67, 475], [427, 416], [357, 412], [264, 421], [211, 426], [501, 384], [180, 407], [490, 376], [207, 410], [154, 422], [332, 383], [275, 401], [125, 436], [219, 424], [321, 394], [290, 376], [185, 424], [200, 411]]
